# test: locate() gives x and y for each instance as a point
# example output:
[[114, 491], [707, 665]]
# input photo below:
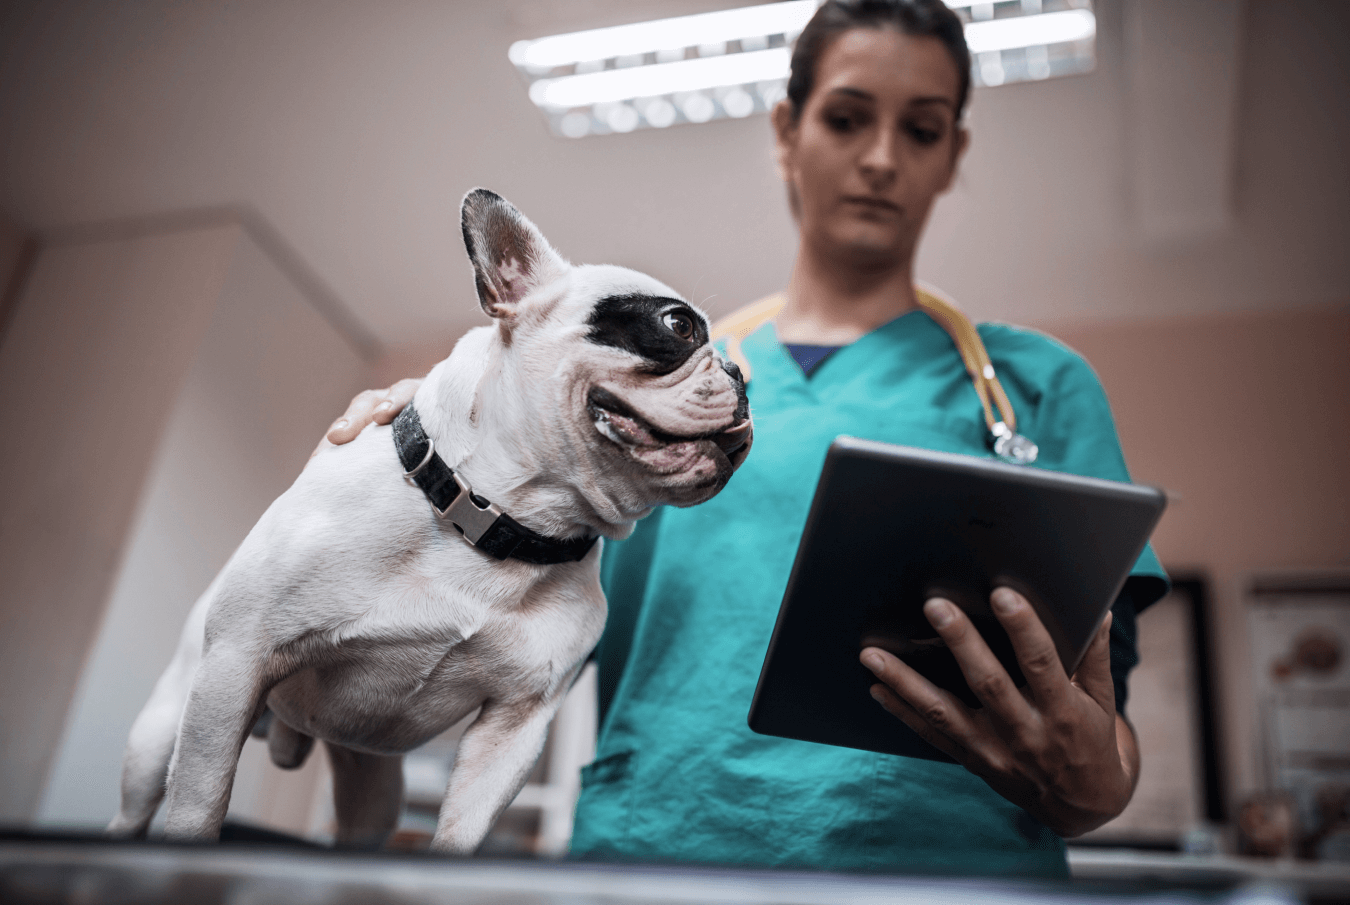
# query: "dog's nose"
[[738, 380]]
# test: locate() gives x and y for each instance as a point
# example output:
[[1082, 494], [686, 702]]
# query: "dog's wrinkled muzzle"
[[693, 428], [701, 404]]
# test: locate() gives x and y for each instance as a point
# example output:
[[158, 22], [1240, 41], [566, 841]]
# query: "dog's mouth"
[[615, 420]]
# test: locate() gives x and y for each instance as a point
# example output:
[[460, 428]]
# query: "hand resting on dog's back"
[[366, 408], [372, 612]]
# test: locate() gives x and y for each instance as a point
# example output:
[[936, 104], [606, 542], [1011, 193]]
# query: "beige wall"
[[96, 352], [1245, 420], [16, 254], [166, 384], [12, 240]]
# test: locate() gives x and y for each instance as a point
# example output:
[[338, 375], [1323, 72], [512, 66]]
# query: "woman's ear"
[[785, 137], [960, 141], [785, 128]]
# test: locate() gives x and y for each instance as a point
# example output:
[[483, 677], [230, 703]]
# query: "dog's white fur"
[[362, 620]]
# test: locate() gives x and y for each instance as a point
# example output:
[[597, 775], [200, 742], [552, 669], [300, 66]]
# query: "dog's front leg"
[[226, 699], [494, 759]]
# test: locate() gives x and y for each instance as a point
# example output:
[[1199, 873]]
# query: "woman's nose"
[[878, 160]]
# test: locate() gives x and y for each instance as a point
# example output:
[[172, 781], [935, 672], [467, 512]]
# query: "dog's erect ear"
[[510, 255]]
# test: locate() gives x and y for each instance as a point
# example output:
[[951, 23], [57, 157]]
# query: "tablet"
[[891, 526]]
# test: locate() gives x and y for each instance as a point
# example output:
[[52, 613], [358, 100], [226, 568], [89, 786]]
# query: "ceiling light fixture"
[[704, 29], [612, 85], [1030, 31], [735, 62]]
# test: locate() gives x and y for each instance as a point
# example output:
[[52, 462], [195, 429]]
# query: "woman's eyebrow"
[[853, 92], [868, 96]]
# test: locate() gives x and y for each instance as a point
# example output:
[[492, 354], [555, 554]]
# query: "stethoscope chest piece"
[[1011, 446]]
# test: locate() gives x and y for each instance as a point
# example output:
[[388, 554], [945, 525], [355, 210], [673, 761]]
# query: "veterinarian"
[[870, 135]]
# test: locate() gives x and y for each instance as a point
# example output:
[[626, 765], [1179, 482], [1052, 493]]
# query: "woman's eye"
[[923, 135], [680, 324], [842, 122]]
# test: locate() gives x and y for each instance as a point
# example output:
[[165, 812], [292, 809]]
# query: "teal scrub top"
[[694, 594]]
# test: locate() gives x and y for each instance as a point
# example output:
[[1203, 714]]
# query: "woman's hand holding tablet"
[[1056, 746]]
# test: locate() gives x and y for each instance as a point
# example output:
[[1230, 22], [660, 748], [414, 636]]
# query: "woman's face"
[[876, 143]]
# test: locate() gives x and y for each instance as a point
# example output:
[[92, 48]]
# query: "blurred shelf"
[[1319, 881]]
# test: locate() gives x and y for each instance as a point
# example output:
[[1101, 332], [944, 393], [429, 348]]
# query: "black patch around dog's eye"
[[664, 331]]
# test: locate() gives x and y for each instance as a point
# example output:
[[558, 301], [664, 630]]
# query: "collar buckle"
[[472, 520]]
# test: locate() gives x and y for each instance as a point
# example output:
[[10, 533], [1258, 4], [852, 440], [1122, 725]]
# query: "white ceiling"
[[353, 128]]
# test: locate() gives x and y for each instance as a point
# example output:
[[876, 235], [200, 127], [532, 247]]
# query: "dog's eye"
[[679, 324]]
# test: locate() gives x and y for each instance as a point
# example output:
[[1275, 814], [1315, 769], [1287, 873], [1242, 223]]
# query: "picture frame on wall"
[[1300, 637]]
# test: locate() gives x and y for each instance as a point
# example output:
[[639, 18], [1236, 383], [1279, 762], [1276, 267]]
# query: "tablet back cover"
[[891, 526]]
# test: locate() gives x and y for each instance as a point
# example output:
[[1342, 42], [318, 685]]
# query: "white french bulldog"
[[373, 610]]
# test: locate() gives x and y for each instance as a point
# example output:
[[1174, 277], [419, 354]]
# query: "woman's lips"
[[870, 203]]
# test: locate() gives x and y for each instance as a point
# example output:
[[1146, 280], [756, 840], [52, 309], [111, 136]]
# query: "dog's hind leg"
[[288, 747], [367, 796], [145, 766]]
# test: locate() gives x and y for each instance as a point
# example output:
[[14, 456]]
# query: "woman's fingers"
[[1094, 673], [360, 412], [938, 710], [396, 399], [984, 673], [906, 714], [372, 406], [1036, 653], [1058, 755]]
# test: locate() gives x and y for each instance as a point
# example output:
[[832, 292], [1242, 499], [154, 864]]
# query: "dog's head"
[[603, 377]]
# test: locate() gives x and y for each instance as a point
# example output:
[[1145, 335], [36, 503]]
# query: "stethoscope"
[[1003, 438]]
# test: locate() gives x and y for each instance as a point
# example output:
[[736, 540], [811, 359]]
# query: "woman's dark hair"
[[917, 18]]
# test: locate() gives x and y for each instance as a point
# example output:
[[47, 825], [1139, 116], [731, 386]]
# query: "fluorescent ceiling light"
[[612, 85], [735, 62], [1030, 31], [664, 34]]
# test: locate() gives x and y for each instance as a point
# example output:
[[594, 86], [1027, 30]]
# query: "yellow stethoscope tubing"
[[739, 324]]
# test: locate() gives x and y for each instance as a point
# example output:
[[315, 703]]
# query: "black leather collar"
[[482, 523]]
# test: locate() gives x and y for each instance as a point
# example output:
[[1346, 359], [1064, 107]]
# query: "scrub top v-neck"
[[694, 594]]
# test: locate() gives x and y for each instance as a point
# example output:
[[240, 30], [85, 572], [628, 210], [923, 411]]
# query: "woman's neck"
[[833, 303]]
